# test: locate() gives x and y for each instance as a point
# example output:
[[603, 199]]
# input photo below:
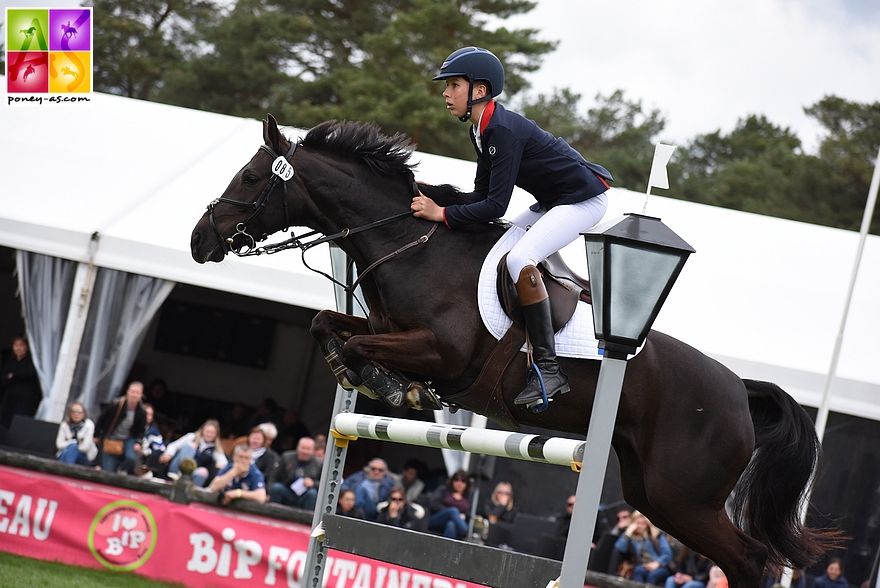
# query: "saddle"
[[565, 289]]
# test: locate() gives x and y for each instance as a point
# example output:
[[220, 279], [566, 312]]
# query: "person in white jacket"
[[75, 440]]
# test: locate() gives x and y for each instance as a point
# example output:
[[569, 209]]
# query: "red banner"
[[92, 525]]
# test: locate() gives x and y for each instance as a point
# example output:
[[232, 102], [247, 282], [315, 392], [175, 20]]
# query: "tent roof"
[[763, 295]]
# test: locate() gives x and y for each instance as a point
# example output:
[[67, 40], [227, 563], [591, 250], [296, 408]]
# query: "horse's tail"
[[769, 496]]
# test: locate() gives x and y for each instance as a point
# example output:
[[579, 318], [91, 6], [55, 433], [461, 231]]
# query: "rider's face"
[[456, 95]]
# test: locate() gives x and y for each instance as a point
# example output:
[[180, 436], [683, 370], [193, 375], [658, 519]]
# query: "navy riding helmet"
[[475, 64]]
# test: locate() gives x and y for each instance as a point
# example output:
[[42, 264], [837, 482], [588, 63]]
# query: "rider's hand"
[[424, 207]]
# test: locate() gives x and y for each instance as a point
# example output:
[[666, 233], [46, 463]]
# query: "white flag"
[[658, 177]]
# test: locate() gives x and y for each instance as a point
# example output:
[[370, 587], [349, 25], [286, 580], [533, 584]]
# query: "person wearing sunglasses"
[[397, 512], [372, 486]]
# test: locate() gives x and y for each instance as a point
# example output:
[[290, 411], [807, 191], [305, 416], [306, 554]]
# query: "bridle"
[[282, 169]]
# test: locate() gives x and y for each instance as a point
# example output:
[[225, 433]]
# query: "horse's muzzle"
[[205, 248]]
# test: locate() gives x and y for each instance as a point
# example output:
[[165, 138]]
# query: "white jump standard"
[[537, 448]]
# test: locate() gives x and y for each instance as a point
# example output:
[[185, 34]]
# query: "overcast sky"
[[707, 63], [703, 63]]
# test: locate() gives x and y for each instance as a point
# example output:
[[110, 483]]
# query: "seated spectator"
[[346, 506], [499, 510], [320, 446], [833, 576], [153, 445], [692, 570], [450, 506], [123, 424], [240, 479], [266, 460], [371, 486], [298, 485], [201, 446], [650, 550], [397, 512], [19, 385], [409, 479], [75, 440]]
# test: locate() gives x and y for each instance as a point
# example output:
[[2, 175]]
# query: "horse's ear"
[[271, 134]]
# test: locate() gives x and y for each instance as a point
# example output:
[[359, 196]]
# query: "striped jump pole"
[[538, 448]]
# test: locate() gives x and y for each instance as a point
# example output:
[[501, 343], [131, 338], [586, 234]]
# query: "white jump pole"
[[538, 448]]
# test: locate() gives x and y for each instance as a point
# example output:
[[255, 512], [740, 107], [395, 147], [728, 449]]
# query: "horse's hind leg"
[[711, 532], [699, 523]]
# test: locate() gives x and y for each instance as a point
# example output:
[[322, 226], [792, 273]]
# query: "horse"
[[69, 31], [689, 432]]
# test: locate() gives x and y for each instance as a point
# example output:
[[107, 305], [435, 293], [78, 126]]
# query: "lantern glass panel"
[[639, 277]]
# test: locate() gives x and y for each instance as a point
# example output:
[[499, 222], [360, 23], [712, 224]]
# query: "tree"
[[761, 168], [311, 60], [139, 42], [616, 133], [847, 155]]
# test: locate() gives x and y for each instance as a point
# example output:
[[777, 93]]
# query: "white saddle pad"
[[576, 339]]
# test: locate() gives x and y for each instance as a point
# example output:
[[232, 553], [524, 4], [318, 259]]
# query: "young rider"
[[513, 151]]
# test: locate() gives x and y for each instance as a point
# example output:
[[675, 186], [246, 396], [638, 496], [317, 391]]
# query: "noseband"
[[282, 170]]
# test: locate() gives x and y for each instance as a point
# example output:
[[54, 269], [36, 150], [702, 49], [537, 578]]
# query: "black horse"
[[688, 430]]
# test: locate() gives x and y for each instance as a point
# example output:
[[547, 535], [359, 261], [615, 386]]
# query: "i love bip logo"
[[48, 52], [123, 535]]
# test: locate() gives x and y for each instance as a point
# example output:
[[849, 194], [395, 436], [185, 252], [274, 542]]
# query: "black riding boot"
[[536, 308]]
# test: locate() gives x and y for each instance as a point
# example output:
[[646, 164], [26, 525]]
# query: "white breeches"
[[548, 231]]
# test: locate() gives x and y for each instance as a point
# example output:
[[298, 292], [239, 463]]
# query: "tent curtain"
[[45, 285], [123, 305]]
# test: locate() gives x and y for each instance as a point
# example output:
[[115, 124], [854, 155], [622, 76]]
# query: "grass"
[[18, 571]]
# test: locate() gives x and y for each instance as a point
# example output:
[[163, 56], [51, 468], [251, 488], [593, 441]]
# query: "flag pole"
[[822, 415], [825, 403]]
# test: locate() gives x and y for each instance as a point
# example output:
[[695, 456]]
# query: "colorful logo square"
[[27, 72], [48, 51], [70, 72], [27, 29], [70, 29]]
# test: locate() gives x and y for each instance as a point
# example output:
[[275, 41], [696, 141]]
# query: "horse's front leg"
[[357, 361], [413, 351], [332, 329]]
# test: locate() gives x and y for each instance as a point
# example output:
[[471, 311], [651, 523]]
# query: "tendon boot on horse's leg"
[[387, 388], [346, 377], [536, 308]]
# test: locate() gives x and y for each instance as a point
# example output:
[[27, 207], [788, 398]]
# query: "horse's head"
[[253, 206], [352, 176]]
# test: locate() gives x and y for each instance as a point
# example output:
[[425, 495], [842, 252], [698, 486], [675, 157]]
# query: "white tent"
[[763, 295]]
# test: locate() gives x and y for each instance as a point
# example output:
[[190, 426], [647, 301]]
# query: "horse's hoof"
[[420, 397]]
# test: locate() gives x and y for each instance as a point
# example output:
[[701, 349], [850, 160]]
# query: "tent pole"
[[81, 299]]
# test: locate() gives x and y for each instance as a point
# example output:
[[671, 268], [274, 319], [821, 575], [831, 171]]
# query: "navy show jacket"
[[517, 152]]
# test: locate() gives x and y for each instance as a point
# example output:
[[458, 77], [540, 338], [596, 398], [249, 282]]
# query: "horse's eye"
[[250, 180]]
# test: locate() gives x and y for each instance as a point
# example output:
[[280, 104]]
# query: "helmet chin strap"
[[471, 101]]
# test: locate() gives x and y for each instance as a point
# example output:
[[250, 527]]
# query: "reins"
[[282, 169]]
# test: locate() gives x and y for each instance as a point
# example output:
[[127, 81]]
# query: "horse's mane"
[[362, 141]]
